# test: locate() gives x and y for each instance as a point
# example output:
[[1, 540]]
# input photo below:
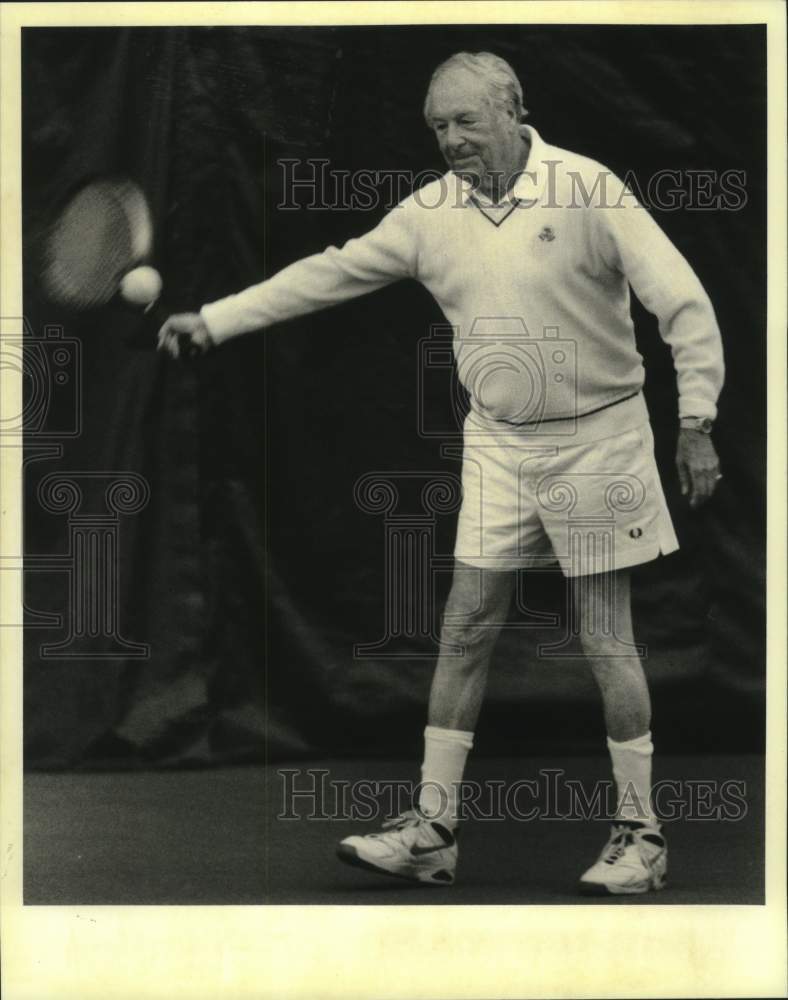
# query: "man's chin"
[[468, 173]]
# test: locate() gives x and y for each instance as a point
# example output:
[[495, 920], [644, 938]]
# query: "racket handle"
[[188, 351], [145, 335]]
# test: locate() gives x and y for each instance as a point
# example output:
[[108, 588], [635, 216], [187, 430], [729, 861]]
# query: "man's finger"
[[704, 484], [166, 333], [684, 479], [712, 481], [695, 488]]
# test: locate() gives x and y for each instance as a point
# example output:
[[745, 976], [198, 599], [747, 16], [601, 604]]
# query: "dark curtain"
[[247, 570]]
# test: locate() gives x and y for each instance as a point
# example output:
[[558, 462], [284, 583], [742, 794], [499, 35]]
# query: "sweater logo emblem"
[[547, 234], [636, 533]]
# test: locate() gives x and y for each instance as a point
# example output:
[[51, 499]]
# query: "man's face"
[[475, 136]]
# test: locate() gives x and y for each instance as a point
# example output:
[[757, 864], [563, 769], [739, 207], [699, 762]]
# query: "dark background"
[[251, 573]]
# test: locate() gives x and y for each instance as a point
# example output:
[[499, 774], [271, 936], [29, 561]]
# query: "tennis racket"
[[102, 233]]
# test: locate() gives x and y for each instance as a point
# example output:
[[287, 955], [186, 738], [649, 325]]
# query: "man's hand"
[[698, 466], [184, 335]]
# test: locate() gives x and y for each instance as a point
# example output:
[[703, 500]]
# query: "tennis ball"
[[141, 286]]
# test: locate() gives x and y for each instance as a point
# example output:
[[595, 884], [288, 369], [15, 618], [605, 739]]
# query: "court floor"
[[215, 836]]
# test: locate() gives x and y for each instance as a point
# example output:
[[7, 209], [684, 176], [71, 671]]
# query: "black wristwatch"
[[702, 424]]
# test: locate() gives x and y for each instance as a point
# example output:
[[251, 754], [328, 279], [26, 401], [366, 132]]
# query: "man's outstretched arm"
[[384, 255]]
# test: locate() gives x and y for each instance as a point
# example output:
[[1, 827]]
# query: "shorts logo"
[[547, 234], [635, 532]]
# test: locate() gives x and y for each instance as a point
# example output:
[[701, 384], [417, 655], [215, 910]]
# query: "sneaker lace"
[[409, 818], [406, 829], [392, 829], [614, 849]]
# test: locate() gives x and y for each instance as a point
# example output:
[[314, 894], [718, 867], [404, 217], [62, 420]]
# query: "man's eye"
[[467, 121]]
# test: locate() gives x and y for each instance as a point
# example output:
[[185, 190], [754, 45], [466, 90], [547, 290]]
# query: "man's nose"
[[454, 138]]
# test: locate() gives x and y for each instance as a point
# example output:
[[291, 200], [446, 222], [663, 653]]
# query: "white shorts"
[[591, 507]]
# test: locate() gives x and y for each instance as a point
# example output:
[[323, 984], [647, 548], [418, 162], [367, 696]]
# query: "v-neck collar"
[[526, 191], [497, 214]]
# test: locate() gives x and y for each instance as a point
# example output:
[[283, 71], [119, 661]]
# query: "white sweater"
[[538, 298]]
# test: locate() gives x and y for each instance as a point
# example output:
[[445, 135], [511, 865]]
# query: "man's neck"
[[498, 185]]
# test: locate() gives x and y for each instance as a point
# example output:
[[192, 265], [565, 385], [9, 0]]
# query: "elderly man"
[[519, 242]]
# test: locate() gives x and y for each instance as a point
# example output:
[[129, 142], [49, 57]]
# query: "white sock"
[[445, 753], [632, 771]]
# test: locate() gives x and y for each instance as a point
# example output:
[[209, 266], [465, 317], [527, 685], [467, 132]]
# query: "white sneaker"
[[635, 859], [410, 847]]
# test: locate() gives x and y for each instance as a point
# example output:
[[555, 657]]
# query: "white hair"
[[504, 87]]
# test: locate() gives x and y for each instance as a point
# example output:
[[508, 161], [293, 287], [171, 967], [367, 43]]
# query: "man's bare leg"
[[603, 607], [427, 851], [476, 609], [634, 860]]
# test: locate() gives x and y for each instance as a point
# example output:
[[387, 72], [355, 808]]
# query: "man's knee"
[[476, 607]]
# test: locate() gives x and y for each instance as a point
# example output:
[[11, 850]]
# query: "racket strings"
[[103, 232]]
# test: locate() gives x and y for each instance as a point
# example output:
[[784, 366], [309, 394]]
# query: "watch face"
[[706, 425]]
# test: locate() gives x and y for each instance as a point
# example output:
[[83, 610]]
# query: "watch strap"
[[702, 424]]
